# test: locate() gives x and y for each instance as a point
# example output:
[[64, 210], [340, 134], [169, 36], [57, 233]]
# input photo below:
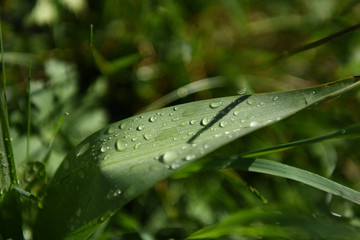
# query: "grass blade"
[[8, 170], [352, 131], [119, 162], [281, 170]]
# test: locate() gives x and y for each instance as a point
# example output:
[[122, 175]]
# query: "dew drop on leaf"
[[205, 121], [192, 122], [104, 148], [122, 126], [222, 124], [111, 130], [274, 98], [169, 156], [147, 136], [140, 128], [215, 104], [236, 113], [120, 145], [152, 119]]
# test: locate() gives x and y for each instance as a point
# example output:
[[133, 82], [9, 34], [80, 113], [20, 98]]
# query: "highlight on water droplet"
[[205, 121], [176, 108], [215, 104], [120, 145], [140, 128], [274, 98], [168, 157]]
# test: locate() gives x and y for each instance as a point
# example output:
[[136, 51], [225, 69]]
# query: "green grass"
[[199, 168]]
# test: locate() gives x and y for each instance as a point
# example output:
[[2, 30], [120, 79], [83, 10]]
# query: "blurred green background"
[[143, 50]]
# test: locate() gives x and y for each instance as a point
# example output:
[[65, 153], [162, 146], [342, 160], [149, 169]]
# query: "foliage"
[[194, 50]]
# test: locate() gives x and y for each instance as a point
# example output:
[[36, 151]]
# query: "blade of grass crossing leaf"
[[7, 158], [119, 162], [348, 132], [293, 173]]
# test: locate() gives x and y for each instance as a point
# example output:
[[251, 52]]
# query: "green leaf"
[[116, 164], [283, 170]]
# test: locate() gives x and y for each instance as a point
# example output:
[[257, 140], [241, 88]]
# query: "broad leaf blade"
[[116, 164]]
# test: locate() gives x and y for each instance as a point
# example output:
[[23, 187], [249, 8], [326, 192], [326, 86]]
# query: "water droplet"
[[255, 124], [147, 136], [169, 156], [184, 124], [139, 128], [313, 92], [250, 101], [137, 145], [176, 108], [343, 131], [189, 157], [205, 121], [222, 124], [122, 126], [236, 113], [215, 104], [175, 119], [142, 116], [174, 166], [120, 145], [104, 148], [152, 119], [241, 91], [274, 98], [133, 139], [117, 192], [192, 122], [111, 130]]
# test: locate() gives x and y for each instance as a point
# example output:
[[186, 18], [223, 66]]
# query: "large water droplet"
[[104, 148], [222, 123], [111, 130], [120, 145], [152, 119], [250, 101], [147, 136], [215, 104], [241, 91], [205, 121], [169, 156], [192, 122], [122, 125]]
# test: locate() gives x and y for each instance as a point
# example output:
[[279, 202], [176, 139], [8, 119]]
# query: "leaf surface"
[[117, 163]]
